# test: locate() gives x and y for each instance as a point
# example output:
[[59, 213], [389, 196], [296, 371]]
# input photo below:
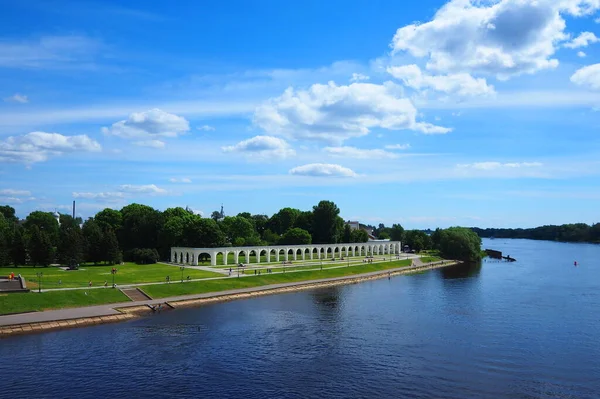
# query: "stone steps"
[[135, 294]]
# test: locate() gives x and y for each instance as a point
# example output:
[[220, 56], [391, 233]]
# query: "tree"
[[359, 235], [202, 233], [109, 217], [383, 235], [141, 227], [270, 237], [5, 240], [41, 251], [461, 244], [239, 229], [18, 248], [347, 236], [110, 247], [70, 249], [295, 236], [397, 232], [44, 221], [436, 238], [9, 214], [417, 240], [216, 216], [93, 238], [327, 224], [260, 223], [305, 221]]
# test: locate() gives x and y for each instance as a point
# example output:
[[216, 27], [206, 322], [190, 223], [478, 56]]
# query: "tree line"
[[576, 232], [139, 233]]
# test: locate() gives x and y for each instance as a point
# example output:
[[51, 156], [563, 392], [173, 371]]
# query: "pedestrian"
[[59, 281], [90, 283], [168, 280], [105, 284]]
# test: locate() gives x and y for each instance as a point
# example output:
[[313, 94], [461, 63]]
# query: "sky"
[[429, 114]]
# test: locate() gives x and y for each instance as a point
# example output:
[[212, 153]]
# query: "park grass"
[[33, 301], [428, 259], [199, 287], [128, 273]]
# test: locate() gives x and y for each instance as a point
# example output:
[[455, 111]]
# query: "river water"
[[528, 329]]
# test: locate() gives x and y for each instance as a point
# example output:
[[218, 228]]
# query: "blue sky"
[[429, 113]]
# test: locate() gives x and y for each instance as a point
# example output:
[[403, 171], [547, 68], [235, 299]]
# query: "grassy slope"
[[126, 274], [166, 290], [32, 301]]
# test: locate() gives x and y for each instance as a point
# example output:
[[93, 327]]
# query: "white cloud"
[[335, 113], [587, 76], [105, 196], [198, 212], [397, 147], [17, 98], [49, 52], [149, 189], [461, 84], [39, 146], [581, 54], [206, 128], [148, 125], [503, 38], [428, 128], [180, 180], [15, 193], [583, 40], [499, 165], [353, 152], [262, 147], [322, 170], [357, 77], [150, 143]]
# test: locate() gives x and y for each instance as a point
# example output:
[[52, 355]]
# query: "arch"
[[204, 257], [329, 253], [222, 254], [272, 254]]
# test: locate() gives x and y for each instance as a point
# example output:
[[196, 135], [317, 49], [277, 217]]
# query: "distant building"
[[355, 225]]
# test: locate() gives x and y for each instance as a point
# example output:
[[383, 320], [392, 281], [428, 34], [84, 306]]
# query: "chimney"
[[73, 209]]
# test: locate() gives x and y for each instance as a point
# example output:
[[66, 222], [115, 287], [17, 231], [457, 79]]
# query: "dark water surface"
[[529, 329]]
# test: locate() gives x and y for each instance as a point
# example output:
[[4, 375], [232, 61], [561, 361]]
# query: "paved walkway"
[[109, 309]]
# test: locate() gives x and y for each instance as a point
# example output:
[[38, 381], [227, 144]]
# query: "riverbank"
[[26, 323]]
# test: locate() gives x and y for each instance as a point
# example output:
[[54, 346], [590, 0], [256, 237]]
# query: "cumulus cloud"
[[397, 147], [499, 165], [359, 153], [17, 98], [148, 125], [322, 170], [263, 147], [149, 189], [581, 54], [150, 143], [335, 113], [39, 146], [461, 84], [12, 196], [503, 38], [588, 76], [121, 193], [583, 40], [206, 128], [357, 77], [180, 180]]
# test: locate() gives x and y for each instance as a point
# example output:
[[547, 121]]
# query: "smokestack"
[[73, 209]]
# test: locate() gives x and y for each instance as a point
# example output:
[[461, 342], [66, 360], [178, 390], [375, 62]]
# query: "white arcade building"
[[278, 253]]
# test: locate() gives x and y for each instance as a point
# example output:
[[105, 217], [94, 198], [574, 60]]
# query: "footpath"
[[16, 324]]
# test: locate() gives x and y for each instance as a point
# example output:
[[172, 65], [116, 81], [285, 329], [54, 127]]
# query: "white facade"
[[278, 253]]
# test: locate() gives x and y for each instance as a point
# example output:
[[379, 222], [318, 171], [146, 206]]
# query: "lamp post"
[[113, 272], [39, 276], [182, 268]]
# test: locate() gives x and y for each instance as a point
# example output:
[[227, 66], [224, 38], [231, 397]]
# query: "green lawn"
[[32, 301], [126, 274], [166, 290], [427, 259]]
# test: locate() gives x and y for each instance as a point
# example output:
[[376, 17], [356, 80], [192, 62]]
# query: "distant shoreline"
[[129, 311]]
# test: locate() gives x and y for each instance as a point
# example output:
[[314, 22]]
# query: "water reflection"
[[464, 270]]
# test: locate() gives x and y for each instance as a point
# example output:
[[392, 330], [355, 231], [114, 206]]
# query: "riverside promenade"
[[72, 317]]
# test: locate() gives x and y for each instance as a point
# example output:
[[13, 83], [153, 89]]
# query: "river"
[[528, 329]]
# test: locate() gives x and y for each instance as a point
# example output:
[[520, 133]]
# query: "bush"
[[142, 256]]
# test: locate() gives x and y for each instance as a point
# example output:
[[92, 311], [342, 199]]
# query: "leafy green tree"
[[44, 221], [383, 235], [110, 247], [260, 223], [110, 217], [327, 225], [9, 214], [71, 246], [295, 236], [270, 238], [359, 236], [141, 227], [397, 232], [18, 247], [5, 240], [305, 221], [92, 233], [216, 215], [436, 238], [237, 228], [347, 236], [41, 251], [202, 233], [461, 244]]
